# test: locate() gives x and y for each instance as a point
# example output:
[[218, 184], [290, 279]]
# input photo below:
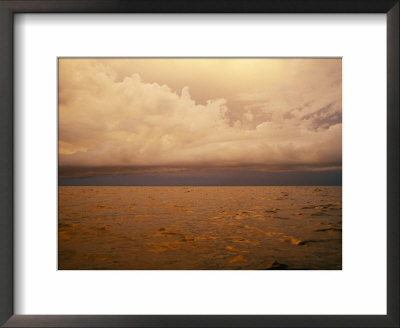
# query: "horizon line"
[[199, 185]]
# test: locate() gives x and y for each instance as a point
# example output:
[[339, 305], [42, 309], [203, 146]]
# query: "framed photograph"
[[199, 164], [152, 177]]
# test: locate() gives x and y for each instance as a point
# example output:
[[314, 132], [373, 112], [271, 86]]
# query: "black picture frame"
[[10, 7]]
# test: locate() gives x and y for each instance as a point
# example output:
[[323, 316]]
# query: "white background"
[[360, 288]]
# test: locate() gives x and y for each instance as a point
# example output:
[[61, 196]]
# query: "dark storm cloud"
[[325, 117], [213, 178]]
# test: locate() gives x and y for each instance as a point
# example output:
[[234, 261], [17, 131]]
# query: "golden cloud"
[[200, 112]]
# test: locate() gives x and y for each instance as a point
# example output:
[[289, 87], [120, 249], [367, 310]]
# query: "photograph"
[[199, 163]]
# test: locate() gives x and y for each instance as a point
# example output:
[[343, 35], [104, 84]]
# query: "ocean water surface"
[[200, 228]]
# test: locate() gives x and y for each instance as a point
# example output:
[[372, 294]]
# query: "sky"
[[200, 121]]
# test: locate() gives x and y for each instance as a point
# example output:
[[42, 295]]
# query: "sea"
[[200, 228]]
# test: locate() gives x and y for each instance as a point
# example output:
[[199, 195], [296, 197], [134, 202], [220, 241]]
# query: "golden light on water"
[[200, 228]]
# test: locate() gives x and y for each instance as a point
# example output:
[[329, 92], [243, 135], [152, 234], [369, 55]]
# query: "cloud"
[[325, 117], [108, 119]]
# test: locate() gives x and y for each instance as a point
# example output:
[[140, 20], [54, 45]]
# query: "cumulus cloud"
[[108, 119]]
